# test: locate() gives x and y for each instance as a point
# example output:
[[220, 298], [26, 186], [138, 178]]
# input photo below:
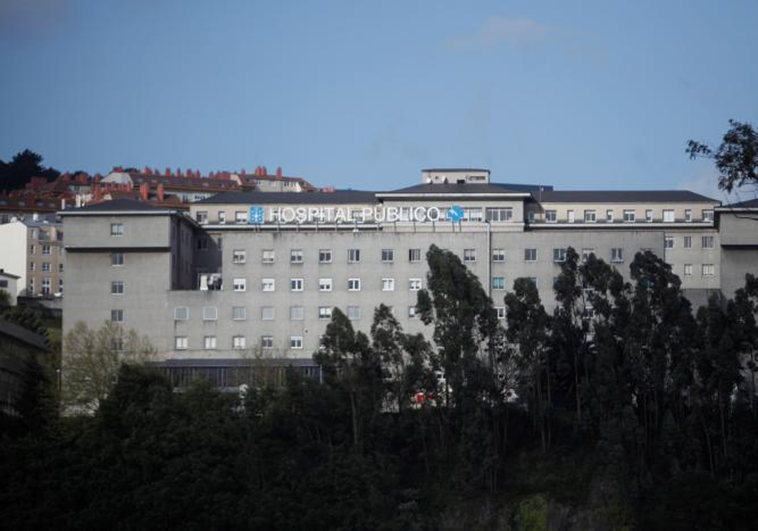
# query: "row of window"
[[46, 267], [238, 342], [297, 256], [706, 242], [628, 216], [268, 256], [268, 313], [493, 214], [325, 284]]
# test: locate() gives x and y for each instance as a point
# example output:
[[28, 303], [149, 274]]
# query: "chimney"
[[279, 172], [160, 192], [144, 191]]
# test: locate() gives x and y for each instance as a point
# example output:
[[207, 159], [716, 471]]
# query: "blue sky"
[[592, 94]]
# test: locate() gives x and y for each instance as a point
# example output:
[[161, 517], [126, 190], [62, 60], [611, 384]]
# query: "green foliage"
[[532, 514], [736, 158], [630, 407]]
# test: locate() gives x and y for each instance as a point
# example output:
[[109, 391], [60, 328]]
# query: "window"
[[117, 229], [687, 270], [500, 312], [617, 255], [117, 259], [46, 249], [687, 215], [240, 217], [32, 266], [238, 342], [60, 268], [117, 287], [530, 255], [239, 313], [668, 216], [590, 216], [412, 312], [668, 242], [324, 312], [469, 255], [239, 284], [353, 284], [630, 216], [45, 267], [268, 256], [709, 270], [414, 255], [209, 342], [707, 242], [388, 284], [533, 280], [267, 342], [559, 254], [210, 313], [296, 284], [688, 242], [325, 284], [239, 256], [46, 286], [498, 283], [649, 216], [414, 284], [181, 313], [117, 316], [325, 256], [201, 217], [354, 313], [609, 216], [221, 217], [498, 255], [571, 216], [388, 255], [473, 214], [202, 243], [499, 214], [296, 342], [708, 215], [32, 249], [353, 256], [180, 342], [60, 285], [296, 256], [586, 253], [551, 216], [297, 313], [268, 284]]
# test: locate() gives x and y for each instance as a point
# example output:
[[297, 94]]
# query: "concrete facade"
[[257, 274]]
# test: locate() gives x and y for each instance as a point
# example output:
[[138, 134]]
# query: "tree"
[[91, 361], [466, 329], [348, 360], [528, 328], [736, 158], [24, 165]]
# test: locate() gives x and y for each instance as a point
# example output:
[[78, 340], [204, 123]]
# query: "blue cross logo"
[[455, 214], [256, 215]]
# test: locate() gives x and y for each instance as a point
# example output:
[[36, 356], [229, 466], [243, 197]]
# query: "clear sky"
[[592, 94]]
